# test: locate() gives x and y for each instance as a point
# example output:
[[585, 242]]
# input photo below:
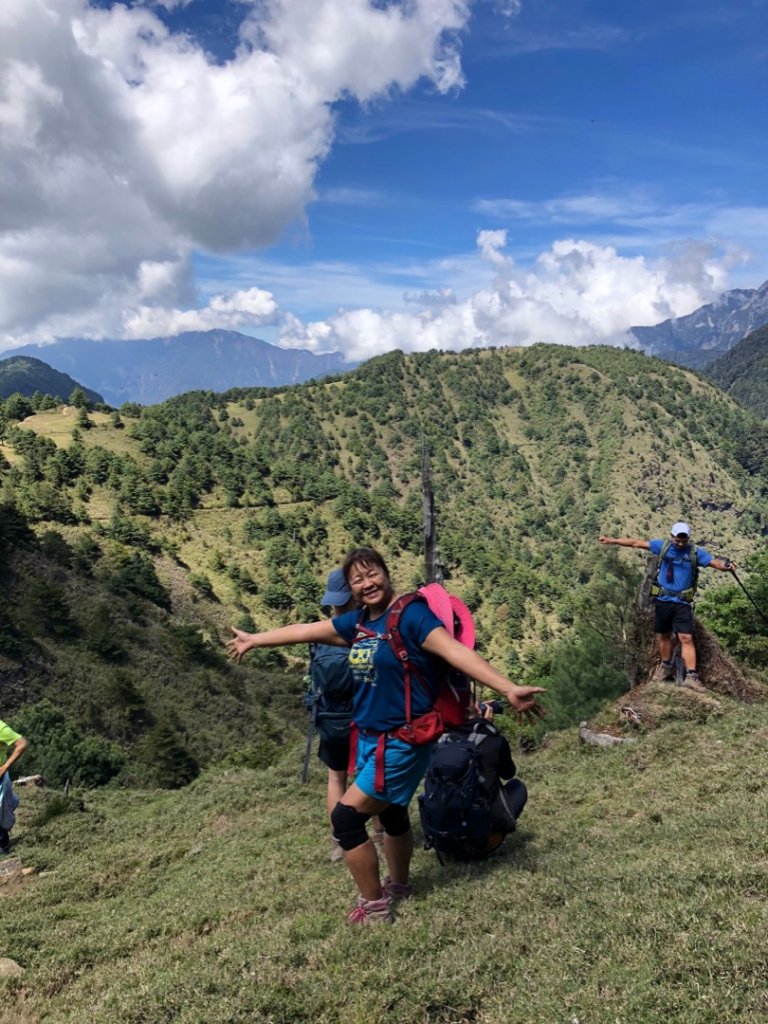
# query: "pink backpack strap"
[[379, 777], [354, 734]]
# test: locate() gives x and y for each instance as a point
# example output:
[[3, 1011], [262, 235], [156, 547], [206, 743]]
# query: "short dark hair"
[[366, 557]]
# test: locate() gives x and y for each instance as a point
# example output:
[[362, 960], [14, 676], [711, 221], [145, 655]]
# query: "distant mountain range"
[[151, 371], [710, 331], [24, 375]]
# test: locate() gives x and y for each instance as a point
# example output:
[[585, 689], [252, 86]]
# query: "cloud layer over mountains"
[[126, 148], [577, 293]]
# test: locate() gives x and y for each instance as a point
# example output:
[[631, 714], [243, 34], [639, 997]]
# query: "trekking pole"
[[308, 751], [759, 611]]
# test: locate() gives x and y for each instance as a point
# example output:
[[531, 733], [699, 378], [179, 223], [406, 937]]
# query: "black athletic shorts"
[[673, 617], [334, 754]]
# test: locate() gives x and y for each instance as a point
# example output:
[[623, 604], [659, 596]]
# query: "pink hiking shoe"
[[394, 891], [370, 912]]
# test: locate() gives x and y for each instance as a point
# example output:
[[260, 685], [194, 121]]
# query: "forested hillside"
[[743, 372], [133, 538], [26, 376]]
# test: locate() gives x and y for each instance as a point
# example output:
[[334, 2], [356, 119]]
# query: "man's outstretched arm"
[[626, 542]]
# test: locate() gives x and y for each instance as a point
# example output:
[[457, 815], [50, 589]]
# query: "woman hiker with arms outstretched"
[[379, 709]]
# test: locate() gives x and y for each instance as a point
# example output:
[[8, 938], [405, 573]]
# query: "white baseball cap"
[[679, 528]]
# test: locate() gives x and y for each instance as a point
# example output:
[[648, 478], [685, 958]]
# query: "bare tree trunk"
[[433, 569]]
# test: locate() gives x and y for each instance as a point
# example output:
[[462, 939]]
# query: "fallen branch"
[[601, 739], [30, 780]]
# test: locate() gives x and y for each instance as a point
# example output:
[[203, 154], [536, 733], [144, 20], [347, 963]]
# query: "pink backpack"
[[454, 689]]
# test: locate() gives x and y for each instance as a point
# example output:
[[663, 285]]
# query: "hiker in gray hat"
[[332, 687], [673, 593]]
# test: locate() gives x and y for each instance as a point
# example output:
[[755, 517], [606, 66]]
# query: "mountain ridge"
[[150, 371], [153, 370], [24, 375], [708, 332]]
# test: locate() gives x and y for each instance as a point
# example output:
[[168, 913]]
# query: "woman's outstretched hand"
[[523, 700], [239, 645]]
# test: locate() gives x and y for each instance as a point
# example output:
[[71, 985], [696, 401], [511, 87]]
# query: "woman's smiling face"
[[371, 587]]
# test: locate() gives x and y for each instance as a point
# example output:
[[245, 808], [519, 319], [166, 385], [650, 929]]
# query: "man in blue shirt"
[[673, 595]]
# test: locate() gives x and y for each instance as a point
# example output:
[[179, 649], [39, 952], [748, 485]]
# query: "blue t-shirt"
[[682, 568], [379, 695]]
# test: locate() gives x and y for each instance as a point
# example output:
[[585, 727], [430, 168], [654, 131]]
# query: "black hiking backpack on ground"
[[455, 809]]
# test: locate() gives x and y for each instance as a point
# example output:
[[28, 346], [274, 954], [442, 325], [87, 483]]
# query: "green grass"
[[58, 424], [10, 454], [634, 893]]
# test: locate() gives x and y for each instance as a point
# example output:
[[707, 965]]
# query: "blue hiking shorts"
[[404, 768]]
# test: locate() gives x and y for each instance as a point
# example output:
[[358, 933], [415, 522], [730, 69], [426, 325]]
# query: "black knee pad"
[[348, 826], [395, 820]]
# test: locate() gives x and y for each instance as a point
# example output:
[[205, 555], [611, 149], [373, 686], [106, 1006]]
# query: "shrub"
[[54, 806], [60, 752], [55, 547], [203, 586], [47, 611], [11, 639], [261, 754], [135, 574], [168, 762], [100, 633]]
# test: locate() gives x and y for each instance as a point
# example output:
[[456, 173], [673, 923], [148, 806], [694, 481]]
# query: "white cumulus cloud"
[[577, 293], [125, 147], [245, 308]]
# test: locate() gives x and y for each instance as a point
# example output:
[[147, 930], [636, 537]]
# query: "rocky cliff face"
[[707, 333]]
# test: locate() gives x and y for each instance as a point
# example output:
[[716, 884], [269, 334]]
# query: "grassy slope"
[[215, 707], [633, 893]]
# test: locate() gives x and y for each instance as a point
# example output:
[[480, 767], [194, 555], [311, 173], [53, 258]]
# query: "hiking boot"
[[337, 854], [395, 891], [371, 912], [665, 673], [692, 682], [5, 841]]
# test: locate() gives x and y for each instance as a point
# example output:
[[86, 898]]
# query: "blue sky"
[[365, 174]]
